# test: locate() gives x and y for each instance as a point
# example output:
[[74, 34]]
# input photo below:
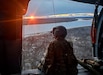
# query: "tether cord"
[[54, 11]]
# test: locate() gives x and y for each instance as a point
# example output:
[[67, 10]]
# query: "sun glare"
[[31, 17]]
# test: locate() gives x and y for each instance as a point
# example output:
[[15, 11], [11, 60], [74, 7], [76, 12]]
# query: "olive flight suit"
[[60, 59]]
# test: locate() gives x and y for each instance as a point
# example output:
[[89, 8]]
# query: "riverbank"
[[47, 20], [52, 20]]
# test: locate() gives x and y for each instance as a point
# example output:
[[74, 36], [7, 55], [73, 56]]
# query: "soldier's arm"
[[49, 57]]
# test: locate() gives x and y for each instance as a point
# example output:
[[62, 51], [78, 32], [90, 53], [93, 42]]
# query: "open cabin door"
[[11, 12]]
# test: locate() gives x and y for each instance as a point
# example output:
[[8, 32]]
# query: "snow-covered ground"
[[35, 46]]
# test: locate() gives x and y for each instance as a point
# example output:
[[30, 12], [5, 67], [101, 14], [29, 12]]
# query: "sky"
[[51, 7], [48, 7]]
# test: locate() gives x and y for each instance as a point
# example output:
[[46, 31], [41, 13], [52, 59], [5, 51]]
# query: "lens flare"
[[31, 17]]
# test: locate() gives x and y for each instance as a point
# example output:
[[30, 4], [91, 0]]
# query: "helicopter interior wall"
[[99, 36], [89, 1]]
